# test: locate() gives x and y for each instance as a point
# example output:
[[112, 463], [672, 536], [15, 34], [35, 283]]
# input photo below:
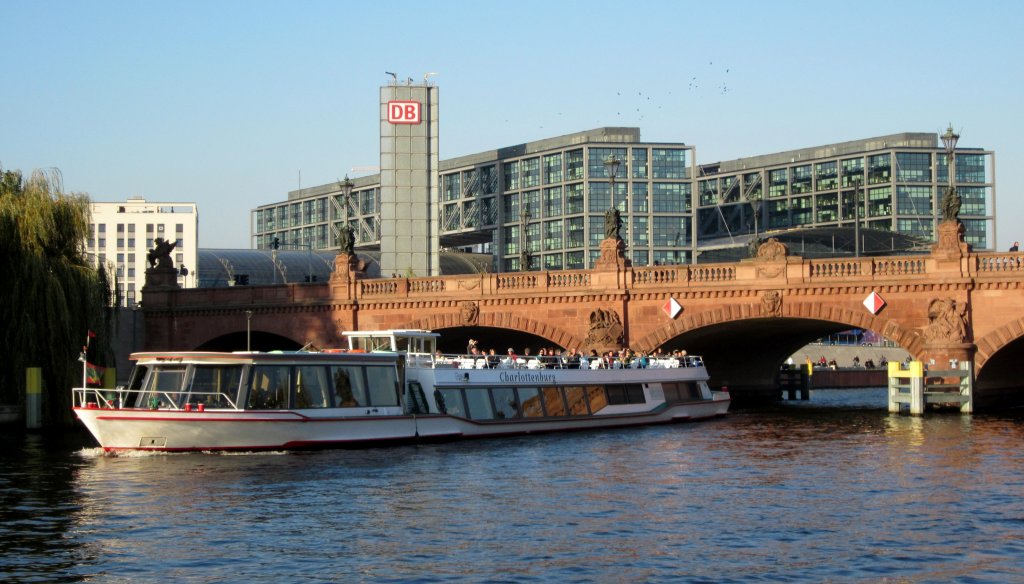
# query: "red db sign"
[[404, 112]]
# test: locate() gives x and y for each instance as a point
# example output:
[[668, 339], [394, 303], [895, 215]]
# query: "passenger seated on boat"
[[595, 364], [481, 363], [492, 359], [534, 364]]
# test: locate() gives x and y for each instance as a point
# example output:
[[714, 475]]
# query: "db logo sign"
[[404, 112]]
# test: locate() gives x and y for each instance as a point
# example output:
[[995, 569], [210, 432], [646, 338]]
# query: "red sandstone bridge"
[[745, 318]]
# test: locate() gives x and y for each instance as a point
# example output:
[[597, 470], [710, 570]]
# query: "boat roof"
[[242, 357], [420, 333]]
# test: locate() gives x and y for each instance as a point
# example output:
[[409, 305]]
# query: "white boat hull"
[[174, 430]]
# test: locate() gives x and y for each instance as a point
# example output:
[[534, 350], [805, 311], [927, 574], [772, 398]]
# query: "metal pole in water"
[[33, 398]]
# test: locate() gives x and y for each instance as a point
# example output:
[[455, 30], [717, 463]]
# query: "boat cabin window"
[[529, 397], [505, 404], [383, 384], [554, 405], [349, 386], [681, 391], [630, 393], [479, 404], [597, 396], [216, 386], [269, 387], [163, 387], [137, 377], [311, 387], [576, 398], [453, 405]]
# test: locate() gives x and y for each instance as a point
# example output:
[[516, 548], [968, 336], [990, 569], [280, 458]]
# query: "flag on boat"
[[94, 374], [91, 334]]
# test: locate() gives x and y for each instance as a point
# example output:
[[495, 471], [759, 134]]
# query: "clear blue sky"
[[228, 103]]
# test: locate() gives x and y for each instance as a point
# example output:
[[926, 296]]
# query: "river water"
[[830, 490]]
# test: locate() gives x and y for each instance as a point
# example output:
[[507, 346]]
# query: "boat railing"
[[106, 398], [456, 361]]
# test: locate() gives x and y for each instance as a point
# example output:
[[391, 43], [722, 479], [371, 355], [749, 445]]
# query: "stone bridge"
[[745, 318]]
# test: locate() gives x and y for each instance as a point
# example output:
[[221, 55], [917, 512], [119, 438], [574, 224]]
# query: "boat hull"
[[225, 430]]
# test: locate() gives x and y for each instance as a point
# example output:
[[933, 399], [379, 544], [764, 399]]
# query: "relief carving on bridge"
[[771, 303], [772, 250], [947, 321], [470, 313], [605, 329]]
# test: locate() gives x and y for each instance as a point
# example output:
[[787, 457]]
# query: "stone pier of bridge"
[[744, 318]]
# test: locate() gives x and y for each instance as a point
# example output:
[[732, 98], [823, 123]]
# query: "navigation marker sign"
[[874, 303], [671, 307]]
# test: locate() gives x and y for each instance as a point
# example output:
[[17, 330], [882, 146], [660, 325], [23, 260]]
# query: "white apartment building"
[[122, 233]]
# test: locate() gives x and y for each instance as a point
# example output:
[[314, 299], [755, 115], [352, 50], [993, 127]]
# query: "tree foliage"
[[52, 296]]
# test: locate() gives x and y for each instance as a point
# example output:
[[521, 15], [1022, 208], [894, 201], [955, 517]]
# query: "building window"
[[640, 231], [708, 193], [531, 200], [574, 260], [670, 231], [669, 163], [575, 232], [553, 202], [639, 195], [511, 176], [598, 156], [600, 197], [553, 235], [529, 170], [879, 201], [827, 175], [552, 169], [671, 197], [801, 179], [972, 200], [915, 227], [574, 198], [450, 187], [639, 163], [574, 165], [913, 200], [913, 166], [879, 169], [778, 182]]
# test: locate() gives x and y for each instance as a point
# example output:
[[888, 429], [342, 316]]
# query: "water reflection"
[[797, 492]]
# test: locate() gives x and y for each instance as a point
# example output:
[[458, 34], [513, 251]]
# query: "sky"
[[233, 104]]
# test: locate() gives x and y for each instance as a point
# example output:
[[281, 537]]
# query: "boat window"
[[681, 391], [529, 397], [349, 386], [479, 404], [554, 405], [383, 384], [216, 386], [311, 387], [505, 404], [577, 400], [270, 387], [138, 376], [632, 393], [163, 387], [453, 402], [635, 394], [598, 398]]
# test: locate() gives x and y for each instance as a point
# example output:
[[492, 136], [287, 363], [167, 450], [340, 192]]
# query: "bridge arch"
[[997, 360], [911, 340], [257, 340]]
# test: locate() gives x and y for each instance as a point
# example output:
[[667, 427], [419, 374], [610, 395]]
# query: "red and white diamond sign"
[[874, 303], [672, 308]]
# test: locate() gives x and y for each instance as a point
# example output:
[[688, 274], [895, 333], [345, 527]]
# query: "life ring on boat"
[[357, 350], [333, 351]]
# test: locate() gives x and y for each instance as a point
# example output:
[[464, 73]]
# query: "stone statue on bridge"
[[346, 240], [947, 321], [160, 255], [951, 205], [612, 224]]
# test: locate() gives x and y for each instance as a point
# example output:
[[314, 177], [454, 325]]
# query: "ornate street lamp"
[[611, 167], [951, 201]]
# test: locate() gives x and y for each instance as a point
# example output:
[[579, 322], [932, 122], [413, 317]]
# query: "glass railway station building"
[[541, 205]]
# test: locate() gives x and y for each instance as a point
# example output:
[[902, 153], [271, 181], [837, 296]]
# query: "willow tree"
[[51, 297]]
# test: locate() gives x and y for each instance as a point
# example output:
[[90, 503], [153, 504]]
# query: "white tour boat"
[[387, 387]]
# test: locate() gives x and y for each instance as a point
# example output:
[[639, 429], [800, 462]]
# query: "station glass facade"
[[541, 205]]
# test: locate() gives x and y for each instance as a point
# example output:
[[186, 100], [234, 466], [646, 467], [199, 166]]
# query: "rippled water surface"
[[834, 489]]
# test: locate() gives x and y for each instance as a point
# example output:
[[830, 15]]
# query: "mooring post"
[[33, 398]]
